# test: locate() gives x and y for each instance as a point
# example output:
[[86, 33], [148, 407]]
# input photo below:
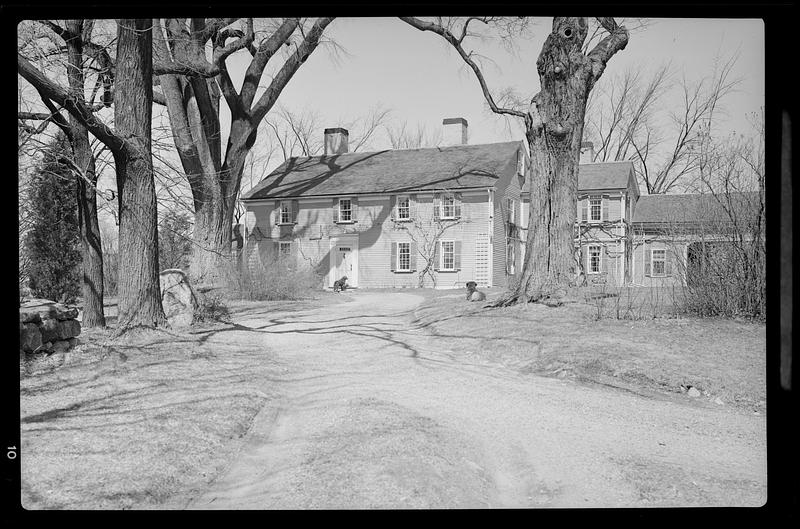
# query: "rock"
[[47, 309], [177, 297], [26, 316], [49, 330], [718, 401], [68, 329], [46, 347], [30, 338], [61, 346], [693, 392], [73, 342]]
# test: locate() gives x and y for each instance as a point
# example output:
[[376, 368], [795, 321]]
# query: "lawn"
[[724, 359], [127, 423]]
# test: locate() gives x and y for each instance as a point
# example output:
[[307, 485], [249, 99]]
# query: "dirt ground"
[[376, 412]]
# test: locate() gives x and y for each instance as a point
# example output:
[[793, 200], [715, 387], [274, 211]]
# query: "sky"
[[422, 80]]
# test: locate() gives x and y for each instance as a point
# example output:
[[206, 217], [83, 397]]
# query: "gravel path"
[[377, 414]]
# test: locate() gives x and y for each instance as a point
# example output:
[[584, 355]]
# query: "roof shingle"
[[694, 208]]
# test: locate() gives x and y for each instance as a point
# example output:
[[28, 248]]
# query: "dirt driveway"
[[378, 414]]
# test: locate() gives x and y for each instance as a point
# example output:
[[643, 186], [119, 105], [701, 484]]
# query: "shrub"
[[277, 278], [211, 307]]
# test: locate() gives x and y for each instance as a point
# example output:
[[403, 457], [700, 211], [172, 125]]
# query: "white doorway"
[[344, 260]]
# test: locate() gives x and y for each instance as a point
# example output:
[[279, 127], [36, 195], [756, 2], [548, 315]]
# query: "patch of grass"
[[723, 358], [128, 423]]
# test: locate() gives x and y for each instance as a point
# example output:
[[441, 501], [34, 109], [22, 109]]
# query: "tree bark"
[[139, 292], [91, 247]]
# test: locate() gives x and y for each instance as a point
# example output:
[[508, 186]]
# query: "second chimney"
[[587, 152], [455, 131], [336, 141]]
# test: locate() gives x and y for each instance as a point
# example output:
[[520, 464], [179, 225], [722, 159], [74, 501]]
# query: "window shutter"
[[393, 264], [437, 203], [647, 264], [457, 255], [457, 204], [584, 202], [276, 248], [413, 259], [668, 263], [604, 260], [412, 206], [393, 201], [354, 209], [585, 254], [295, 209], [335, 210], [605, 208], [436, 254]]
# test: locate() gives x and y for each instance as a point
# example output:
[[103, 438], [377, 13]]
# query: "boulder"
[[177, 297], [694, 392], [68, 329], [61, 346], [47, 309], [26, 316], [49, 330], [30, 338]]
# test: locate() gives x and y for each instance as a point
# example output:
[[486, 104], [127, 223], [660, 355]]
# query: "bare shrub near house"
[[274, 278]]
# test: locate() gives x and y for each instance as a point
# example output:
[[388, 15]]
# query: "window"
[[286, 212], [403, 208], [448, 207], [284, 248], [404, 256], [511, 210], [659, 260], [345, 210], [595, 208], [511, 256], [594, 259], [448, 255]]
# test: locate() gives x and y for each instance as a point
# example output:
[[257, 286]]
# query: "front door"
[[346, 259]]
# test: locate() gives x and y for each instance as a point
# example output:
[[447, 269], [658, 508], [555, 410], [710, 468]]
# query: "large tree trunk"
[[91, 248], [554, 131], [139, 292]]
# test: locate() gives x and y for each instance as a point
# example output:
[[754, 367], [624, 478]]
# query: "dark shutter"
[[412, 206], [584, 203], [413, 256], [276, 248], [437, 203], [295, 209], [335, 210], [605, 208], [668, 263], [647, 264], [393, 264], [604, 260], [457, 255], [457, 204], [436, 264], [393, 201], [354, 209]]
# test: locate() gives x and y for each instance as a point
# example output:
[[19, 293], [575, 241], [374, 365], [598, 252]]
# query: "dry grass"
[[129, 423], [725, 359]]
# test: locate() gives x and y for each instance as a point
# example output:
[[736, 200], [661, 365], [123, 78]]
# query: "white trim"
[[589, 258], [339, 209], [470, 191], [442, 196], [397, 208], [652, 262], [589, 218], [350, 240], [280, 213]]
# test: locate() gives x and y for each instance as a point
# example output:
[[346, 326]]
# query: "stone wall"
[[47, 326]]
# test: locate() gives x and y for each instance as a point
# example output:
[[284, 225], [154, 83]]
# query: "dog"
[[473, 294], [340, 284]]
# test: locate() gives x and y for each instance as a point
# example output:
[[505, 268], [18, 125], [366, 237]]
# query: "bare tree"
[[192, 95], [403, 137], [130, 144], [624, 121], [554, 130]]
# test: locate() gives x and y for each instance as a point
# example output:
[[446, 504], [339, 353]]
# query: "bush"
[[110, 273], [211, 307], [279, 278], [52, 242]]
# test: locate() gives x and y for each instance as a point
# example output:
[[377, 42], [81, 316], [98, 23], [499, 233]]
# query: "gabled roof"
[[604, 175], [393, 171], [694, 208], [456, 167]]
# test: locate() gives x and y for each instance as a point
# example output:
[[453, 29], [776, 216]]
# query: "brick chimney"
[[336, 141], [455, 131], [587, 152]]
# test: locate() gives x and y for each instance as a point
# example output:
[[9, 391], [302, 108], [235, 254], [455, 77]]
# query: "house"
[[440, 217]]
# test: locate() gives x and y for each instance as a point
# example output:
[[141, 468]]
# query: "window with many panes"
[[594, 259], [403, 208], [448, 255], [595, 208], [285, 248], [404, 256], [345, 210], [448, 206], [286, 212], [659, 260], [511, 210]]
